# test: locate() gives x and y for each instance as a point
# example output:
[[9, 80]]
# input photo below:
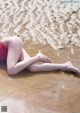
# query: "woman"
[[17, 59]]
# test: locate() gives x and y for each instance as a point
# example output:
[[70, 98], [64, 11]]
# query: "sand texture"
[[53, 28], [44, 21], [49, 92]]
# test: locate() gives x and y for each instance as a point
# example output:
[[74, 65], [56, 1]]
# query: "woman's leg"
[[14, 53], [24, 55], [48, 66]]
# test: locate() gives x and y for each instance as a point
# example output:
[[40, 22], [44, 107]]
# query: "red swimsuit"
[[3, 52]]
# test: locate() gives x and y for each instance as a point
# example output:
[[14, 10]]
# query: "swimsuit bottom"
[[3, 52]]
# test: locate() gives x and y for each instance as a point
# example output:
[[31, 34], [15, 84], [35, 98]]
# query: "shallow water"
[[43, 25], [44, 21]]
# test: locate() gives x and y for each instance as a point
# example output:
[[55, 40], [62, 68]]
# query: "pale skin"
[[16, 53]]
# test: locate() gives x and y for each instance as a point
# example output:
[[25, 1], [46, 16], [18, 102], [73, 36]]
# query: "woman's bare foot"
[[70, 67], [44, 58]]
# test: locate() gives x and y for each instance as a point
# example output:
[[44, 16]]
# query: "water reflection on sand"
[[49, 92]]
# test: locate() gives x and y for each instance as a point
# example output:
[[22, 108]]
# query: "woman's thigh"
[[14, 51], [24, 55], [7, 40]]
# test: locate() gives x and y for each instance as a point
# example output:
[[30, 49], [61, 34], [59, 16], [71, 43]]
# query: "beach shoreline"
[[43, 92]]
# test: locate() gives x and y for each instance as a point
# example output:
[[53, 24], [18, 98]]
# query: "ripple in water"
[[43, 21]]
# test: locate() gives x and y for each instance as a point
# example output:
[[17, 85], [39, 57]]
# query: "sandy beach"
[[49, 92], [50, 27], [44, 21]]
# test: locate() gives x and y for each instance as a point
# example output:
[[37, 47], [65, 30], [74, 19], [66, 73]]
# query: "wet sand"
[[45, 21], [49, 92], [49, 24]]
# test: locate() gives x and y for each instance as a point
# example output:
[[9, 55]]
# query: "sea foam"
[[44, 21]]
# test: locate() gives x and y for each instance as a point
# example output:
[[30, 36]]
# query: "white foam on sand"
[[55, 22]]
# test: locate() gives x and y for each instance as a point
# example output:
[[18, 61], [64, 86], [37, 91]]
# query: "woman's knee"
[[11, 71], [33, 68]]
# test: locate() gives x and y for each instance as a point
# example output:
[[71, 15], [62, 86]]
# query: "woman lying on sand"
[[18, 59]]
